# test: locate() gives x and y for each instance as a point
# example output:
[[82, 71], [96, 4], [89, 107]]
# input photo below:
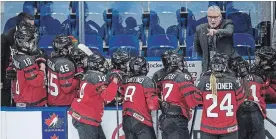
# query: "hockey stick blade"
[[193, 122], [272, 122], [117, 114]]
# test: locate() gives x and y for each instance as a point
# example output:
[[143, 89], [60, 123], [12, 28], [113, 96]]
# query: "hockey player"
[[29, 81], [7, 44], [80, 56], [175, 86], [96, 89], [119, 61], [221, 94], [61, 70], [161, 72], [265, 66], [140, 98], [253, 110], [272, 79]]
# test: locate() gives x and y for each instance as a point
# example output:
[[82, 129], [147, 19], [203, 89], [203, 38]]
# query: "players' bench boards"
[[50, 122]]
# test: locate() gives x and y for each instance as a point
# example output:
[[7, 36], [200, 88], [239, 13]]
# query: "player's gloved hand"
[[11, 74], [79, 69], [79, 75], [119, 99], [116, 74], [40, 56]]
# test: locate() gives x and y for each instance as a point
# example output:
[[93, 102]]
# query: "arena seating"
[[174, 20]]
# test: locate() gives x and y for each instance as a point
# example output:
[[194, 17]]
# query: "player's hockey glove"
[[117, 74], [119, 99], [11, 74], [79, 75], [40, 56]]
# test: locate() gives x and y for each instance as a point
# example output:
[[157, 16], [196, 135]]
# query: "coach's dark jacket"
[[224, 39]]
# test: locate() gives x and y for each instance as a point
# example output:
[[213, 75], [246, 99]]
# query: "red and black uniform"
[[219, 111], [176, 112], [94, 92], [253, 110], [140, 98], [29, 87], [61, 82], [271, 80]]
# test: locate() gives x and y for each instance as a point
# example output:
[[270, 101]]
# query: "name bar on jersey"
[[220, 86]]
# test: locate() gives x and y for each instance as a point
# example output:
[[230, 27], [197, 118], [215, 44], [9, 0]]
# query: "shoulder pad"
[[183, 77], [207, 73], [231, 78], [255, 78], [158, 75], [148, 82], [94, 77], [63, 65], [202, 81], [51, 64], [23, 61]]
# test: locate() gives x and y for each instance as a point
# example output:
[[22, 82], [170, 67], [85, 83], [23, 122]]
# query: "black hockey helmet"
[[138, 66], [24, 16], [273, 64], [239, 66], [219, 62], [24, 25], [25, 40], [97, 62], [80, 55], [62, 45], [165, 58], [120, 59], [264, 57], [176, 61]]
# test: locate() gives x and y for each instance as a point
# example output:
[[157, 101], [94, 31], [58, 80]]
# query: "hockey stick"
[[272, 122], [157, 124], [193, 122], [157, 120], [12, 54], [117, 114], [249, 56]]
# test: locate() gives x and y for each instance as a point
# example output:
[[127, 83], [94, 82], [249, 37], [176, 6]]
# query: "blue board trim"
[[269, 106], [159, 59], [191, 59], [45, 108]]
